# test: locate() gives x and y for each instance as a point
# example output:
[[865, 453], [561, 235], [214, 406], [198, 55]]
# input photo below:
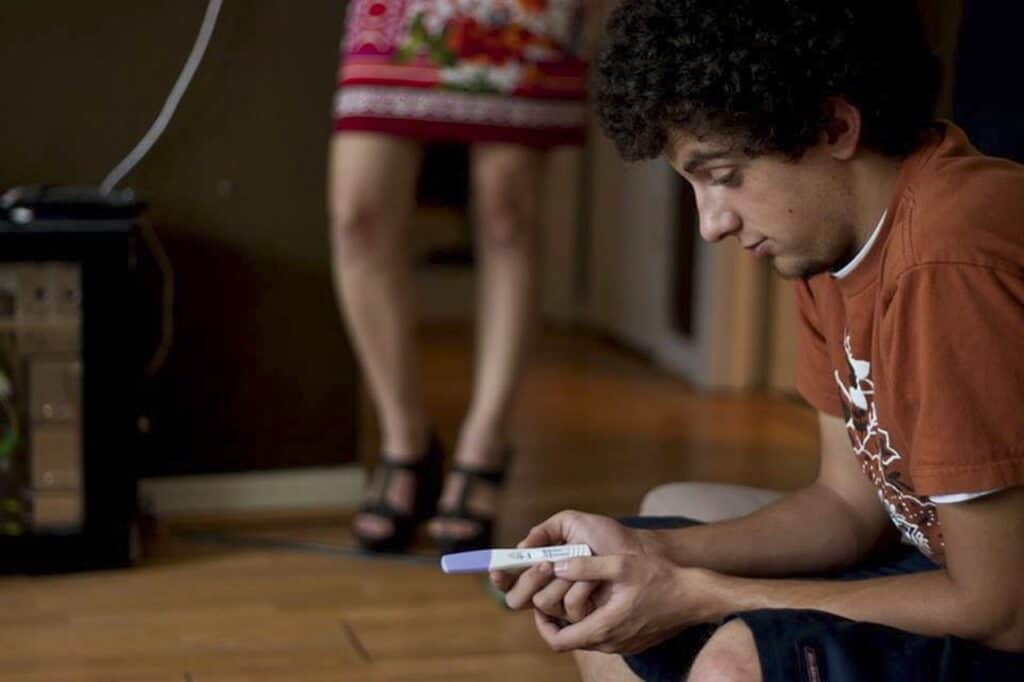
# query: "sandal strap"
[[418, 468], [384, 510], [495, 476], [381, 507], [463, 514]]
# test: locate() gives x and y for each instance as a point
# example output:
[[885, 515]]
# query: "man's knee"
[[695, 501], [729, 656], [705, 502], [598, 667]]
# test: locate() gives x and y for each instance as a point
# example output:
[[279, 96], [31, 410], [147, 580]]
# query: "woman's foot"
[[468, 506], [403, 493]]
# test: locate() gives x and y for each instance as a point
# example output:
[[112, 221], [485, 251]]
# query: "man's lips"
[[759, 248]]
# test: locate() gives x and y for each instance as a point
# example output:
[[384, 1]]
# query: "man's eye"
[[729, 178]]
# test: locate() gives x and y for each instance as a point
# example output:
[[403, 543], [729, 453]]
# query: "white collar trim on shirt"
[[863, 253]]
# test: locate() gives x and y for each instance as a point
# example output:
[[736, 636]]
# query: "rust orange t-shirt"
[[919, 347]]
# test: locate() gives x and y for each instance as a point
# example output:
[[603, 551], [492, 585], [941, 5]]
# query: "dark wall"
[[985, 104], [260, 375]]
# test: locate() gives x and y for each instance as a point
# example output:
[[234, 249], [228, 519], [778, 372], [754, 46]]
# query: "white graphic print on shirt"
[[878, 458]]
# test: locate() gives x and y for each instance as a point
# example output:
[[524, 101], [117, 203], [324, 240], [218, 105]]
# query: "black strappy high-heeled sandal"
[[428, 473], [483, 537]]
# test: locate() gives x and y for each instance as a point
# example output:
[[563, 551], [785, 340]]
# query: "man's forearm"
[[810, 531], [928, 603]]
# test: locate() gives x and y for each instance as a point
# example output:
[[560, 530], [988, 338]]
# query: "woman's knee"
[[361, 230], [505, 197], [729, 656], [503, 223], [371, 183]]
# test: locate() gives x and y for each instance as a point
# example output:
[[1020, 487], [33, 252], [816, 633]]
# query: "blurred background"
[[260, 376]]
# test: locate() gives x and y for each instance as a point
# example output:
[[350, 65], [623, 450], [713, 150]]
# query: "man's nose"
[[717, 222]]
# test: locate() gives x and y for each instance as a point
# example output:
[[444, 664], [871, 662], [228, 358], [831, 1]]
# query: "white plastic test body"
[[484, 560]]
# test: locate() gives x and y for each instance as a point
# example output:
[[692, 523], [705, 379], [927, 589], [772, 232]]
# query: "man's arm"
[[829, 525], [979, 595]]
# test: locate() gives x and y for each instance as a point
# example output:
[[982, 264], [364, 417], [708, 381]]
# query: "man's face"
[[798, 214]]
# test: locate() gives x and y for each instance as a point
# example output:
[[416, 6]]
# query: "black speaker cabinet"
[[70, 370]]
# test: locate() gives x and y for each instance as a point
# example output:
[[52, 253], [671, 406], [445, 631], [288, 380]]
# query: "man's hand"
[[605, 537], [637, 601]]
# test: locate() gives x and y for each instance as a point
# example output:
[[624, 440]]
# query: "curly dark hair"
[[759, 72]]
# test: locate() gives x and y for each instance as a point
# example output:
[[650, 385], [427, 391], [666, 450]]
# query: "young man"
[[806, 130]]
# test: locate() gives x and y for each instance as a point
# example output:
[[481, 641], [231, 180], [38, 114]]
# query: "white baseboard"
[[329, 487]]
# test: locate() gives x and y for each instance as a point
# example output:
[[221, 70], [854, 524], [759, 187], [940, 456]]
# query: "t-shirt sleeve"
[[958, 348], [814, 371]]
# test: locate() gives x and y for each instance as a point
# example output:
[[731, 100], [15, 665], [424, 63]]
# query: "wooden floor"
[[279, 598]]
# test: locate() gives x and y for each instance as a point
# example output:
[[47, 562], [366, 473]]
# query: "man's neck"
[[874, 185]]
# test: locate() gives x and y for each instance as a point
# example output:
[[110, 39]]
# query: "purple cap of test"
[[477, 561]]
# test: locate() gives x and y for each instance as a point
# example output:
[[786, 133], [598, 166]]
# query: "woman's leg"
[[372, 188], [506, 196]]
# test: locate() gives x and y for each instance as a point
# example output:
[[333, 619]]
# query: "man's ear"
[[842, 130]]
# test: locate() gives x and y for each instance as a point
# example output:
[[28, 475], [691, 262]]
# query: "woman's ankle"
[[406, 441], [485, 451]]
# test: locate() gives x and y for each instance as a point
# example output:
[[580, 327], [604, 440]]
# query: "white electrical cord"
[[163, 263], [157, 129]]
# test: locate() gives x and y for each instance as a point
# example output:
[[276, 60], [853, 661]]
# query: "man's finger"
[[528, 584], [582, 635], [551, 531], [501, 580], [606, 568], [577, 601], [539, 536], [549, 599], [505, 578], [547, 626], [556, 530]]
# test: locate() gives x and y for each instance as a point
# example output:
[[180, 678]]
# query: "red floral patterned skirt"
[[465, 70]]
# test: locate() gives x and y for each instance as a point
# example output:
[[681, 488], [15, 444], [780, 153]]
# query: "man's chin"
[[794, 268]]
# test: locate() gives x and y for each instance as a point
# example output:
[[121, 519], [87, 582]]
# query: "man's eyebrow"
[[699, 158]]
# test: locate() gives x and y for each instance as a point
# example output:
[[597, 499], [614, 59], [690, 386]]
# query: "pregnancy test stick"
[[483, 560]]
